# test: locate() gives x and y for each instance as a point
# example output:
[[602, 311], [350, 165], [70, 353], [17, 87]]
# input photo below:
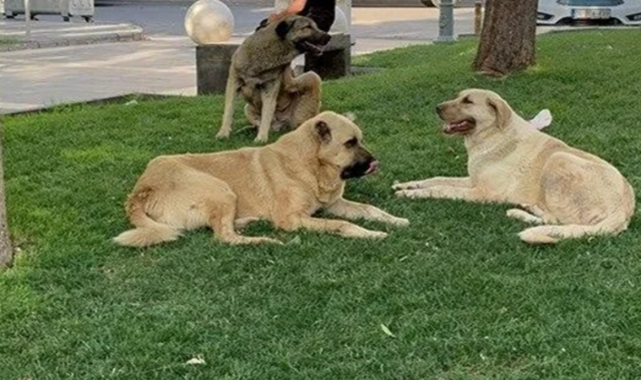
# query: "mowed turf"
[[454, 296]]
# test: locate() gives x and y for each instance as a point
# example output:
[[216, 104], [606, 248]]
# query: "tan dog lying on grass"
[[577, 192], [285, 182]]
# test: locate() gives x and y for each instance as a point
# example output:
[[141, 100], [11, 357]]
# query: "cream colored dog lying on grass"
[[574, 192]]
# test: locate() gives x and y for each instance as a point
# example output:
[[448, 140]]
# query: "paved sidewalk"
[[31, 80], [55, 34], [165, 64]]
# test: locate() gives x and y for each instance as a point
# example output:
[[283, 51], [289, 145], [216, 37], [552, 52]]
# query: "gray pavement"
[[165, 63], [55, 34], [168, 20]]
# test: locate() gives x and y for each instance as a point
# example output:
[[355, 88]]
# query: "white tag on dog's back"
[[542, 120]]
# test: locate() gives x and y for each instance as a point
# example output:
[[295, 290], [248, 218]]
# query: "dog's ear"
[[322, 131], [262, 24], [502, 110], [283, 28]]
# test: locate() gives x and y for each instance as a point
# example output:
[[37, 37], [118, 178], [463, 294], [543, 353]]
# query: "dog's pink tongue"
[[373, 167]]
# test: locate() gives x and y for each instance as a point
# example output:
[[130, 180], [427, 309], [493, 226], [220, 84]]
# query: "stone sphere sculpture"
[[208, 22], [340, 24]]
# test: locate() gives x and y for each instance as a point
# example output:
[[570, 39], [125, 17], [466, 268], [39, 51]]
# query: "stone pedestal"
[[212, 67], [336, 60]]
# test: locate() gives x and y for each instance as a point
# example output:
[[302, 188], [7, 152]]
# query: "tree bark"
[[508, 37], [6, 251]]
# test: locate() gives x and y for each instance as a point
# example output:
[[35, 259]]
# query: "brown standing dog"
[[285, 182], [508, 161], [261, 71]]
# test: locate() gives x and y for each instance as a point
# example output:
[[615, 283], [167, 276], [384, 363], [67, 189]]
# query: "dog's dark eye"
[[351, 142], [467, 100]]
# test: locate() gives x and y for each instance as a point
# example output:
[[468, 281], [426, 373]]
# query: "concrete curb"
[[52, 43], [101, 101]]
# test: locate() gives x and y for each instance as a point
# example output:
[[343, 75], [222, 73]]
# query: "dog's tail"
[[148, 231], [614, 224]]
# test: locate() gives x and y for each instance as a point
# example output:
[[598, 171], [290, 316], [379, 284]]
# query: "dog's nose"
[[439, 109]]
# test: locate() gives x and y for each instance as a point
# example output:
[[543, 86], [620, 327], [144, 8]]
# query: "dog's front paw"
[[400, 222], [409, 194], [376, 235], [222, 135], [407, 185], [354, 231], [261, 139]]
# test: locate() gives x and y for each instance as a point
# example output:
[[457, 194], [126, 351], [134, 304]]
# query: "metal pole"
[[27, 20], [446, 22], [478, 16]]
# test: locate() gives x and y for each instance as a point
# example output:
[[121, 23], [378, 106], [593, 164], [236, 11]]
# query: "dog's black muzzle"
[[363, 165]]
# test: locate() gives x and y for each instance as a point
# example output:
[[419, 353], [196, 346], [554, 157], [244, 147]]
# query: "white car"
[[627, 12]]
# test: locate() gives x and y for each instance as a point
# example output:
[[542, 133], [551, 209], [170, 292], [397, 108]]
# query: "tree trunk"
[[508, 38], [6, 251]]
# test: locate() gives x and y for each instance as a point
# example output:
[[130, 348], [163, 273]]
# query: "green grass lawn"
[[461, 295]]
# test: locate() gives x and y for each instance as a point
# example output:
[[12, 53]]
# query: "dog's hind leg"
[[252, 115], [269, 98], [220, 207], [524, 216], [230, 97], [308, 104]]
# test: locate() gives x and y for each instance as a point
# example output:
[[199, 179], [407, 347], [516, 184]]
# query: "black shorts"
[[321, 11]]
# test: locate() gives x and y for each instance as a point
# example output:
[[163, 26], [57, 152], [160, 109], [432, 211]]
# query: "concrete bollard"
[[478, 16], [446, 22]]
